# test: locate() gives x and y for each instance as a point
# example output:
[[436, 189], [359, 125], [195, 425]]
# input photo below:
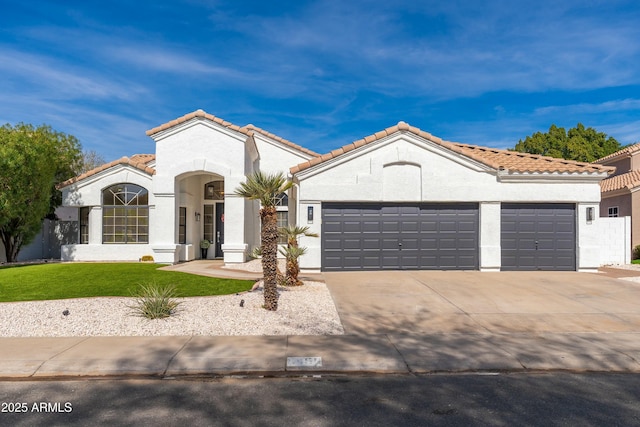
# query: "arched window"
[[125, 214]]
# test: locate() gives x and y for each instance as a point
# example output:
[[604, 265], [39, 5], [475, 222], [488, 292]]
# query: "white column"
[[162, 228], [95, 225], [490, 249]]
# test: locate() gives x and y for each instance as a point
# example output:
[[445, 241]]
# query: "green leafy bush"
[[155, 301], [636, 252]]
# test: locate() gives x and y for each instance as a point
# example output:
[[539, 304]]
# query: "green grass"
[[80, 280], [635, 261]]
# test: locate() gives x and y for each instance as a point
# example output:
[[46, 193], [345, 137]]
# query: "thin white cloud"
[[55, 79], [495, 47], [626, 105], [159, 59]]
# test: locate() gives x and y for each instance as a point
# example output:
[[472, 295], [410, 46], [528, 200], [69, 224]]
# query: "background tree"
[[90, 160], [580, 143], [266, 188], [32, 161]]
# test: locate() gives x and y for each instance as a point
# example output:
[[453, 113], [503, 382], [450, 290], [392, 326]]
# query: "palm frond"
[[264, 187]]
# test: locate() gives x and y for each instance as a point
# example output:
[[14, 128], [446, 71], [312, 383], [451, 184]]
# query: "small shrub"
[[636, 252], [155, 301], [146, 258], [256, 252]]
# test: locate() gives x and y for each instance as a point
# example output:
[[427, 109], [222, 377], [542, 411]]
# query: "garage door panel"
[[392, 226], [538, 236], [467, 244], [407, 236], [410, 227]]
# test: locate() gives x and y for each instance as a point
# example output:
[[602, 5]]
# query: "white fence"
[[615, 240]]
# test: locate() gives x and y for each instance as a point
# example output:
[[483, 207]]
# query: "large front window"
[[125, 214]]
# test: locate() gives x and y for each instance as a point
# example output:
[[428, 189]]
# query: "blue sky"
[[321, 73]]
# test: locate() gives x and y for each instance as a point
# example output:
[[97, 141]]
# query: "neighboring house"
[[620, 192], [398, 199]]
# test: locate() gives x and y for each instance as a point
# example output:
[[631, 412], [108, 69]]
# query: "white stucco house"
[[398, 199]]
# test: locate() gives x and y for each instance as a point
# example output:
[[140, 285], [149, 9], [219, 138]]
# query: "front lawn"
[[79, 280]]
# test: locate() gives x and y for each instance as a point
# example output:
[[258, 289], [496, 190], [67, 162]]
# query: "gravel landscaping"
[[304, 310]]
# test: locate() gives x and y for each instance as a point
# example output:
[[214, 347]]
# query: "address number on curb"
[[304, 362]]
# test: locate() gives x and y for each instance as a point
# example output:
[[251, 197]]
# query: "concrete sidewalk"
[[33, 358]]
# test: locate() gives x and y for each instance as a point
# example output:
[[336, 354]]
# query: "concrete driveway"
[[427, 302]]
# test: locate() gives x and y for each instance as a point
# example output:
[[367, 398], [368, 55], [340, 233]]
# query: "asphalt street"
[[550, 399]]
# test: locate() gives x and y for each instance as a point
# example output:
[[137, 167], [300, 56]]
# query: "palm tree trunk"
[[269, 234], [293, 270]]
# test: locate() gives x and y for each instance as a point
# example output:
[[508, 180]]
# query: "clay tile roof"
[[492, 157], [523, 162], [628, 180], [138, 161], [197, 113], [248, 130], [624, 152], [252, 128]]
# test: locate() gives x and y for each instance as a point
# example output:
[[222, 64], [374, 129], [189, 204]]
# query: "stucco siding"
[[622, 202], [276, 157]]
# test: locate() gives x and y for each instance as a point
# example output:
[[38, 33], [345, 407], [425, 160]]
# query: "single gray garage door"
[[362, 236], [538, 236]]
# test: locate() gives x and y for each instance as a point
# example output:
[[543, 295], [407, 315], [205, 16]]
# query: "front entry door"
[[219, 229]]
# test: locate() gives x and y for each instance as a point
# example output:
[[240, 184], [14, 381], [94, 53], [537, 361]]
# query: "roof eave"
[[505, 175]]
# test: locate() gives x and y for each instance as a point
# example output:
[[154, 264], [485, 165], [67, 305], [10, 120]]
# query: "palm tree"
[[266, 188], [293, 252]]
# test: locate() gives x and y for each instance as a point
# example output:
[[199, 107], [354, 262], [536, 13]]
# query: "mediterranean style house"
[[620, 195], [398, 199]]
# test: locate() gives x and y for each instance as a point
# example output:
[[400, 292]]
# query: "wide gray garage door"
[[360, 236], [538, 236]]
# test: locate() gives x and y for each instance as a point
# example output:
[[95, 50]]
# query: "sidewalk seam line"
[[164, 373], [58, 354], [401, 355]]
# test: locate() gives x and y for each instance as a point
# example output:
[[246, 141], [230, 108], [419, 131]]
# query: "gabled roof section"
[[193, 115], [512, 161], [138, 161], [625, 152], [248, 130], [253, 128], [629, 180]]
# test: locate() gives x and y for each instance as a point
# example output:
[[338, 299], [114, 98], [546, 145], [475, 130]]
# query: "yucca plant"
[[155, 301]]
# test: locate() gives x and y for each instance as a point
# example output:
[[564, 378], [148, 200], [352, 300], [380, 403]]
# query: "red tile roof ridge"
[[493, 157], [247, 129], [625, 151], [198, 113], [132, 161]]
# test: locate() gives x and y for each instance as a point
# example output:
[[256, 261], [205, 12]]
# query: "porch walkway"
[[214, 268]]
